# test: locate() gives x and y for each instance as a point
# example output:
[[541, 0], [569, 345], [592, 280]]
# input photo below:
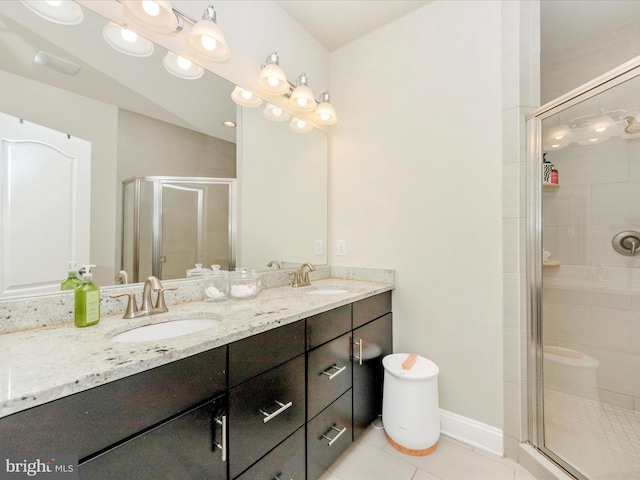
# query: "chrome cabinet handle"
[[333, 375], [223, 444], [332, 440], [359, 357], [271, 416]]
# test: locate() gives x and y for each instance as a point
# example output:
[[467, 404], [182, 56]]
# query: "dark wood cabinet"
[[328, 435], [190, 446], [279, 404], [264, 411], [371, 343], [286, 461]]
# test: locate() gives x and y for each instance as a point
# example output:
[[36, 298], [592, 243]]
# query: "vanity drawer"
[[328, 325], [254, 355], [257, 422], [328, 435], [89, 421], [371, 308], [191, 446], [328, 373], [286, 461]]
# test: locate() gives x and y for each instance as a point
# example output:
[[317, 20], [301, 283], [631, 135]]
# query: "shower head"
[[631, 125]]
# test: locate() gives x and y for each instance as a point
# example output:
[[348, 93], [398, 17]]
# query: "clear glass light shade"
[[601, 124], [62, 12], [245, 98], [559, 132], [298, 125], [206, 39], [154, 15], [325, 114], [126, 41], [275, 114], [182, 67], [273, 80], [302, 99]]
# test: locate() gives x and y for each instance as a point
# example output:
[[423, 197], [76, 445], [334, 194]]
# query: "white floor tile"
[[366, 462]]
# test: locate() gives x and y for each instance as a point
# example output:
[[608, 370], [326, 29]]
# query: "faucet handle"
[[161, 305], [295, 282], [132, 306]]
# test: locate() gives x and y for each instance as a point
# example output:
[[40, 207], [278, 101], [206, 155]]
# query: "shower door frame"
[[158, 182], [535, 385]]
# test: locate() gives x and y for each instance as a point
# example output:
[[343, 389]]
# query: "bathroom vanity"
[[279, 389]]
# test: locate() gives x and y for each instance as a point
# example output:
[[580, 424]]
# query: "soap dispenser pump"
[[87, 300], [72, 281]]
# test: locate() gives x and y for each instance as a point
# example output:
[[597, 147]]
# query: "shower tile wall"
[[592, 300]]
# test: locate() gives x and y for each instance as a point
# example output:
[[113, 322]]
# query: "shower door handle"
[[627, 243]]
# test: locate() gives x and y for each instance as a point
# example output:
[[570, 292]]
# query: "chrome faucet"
[[151, 284], [301, 277]]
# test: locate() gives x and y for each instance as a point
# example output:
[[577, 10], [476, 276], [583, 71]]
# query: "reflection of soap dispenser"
[[554, 175], [72, 281], [87, 300]]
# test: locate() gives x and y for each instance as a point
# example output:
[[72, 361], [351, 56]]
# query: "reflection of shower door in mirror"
[[45, 185], [172, 223]]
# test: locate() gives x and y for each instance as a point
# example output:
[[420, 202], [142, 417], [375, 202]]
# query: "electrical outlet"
[[319, 247], [342, 247]]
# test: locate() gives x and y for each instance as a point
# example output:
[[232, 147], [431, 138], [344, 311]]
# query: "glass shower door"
[[588, 330]]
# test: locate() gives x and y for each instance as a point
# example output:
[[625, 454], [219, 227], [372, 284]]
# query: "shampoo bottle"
[[87, 300], [72, 281]]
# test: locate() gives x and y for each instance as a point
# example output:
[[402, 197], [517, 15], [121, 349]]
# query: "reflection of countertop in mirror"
[[43, 364]]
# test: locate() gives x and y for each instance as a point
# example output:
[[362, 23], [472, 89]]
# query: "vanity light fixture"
[[299, 125], [155, 15], [272, 78], [302, 97], [275, 114], [245, 98], [324, 113], [62, 12], [182, 67], [126, 41], [206, 37]]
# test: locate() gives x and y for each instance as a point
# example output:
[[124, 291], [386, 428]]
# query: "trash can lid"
[[421, 369]]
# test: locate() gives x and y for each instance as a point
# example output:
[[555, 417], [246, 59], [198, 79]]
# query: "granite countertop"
[[47, 363]]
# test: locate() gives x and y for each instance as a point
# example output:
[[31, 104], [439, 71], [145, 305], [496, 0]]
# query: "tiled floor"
[[372, 458], [602, 441]]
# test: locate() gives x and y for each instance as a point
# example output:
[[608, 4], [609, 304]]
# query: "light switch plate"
[[342, 247]]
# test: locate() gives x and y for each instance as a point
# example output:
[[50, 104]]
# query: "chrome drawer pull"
[[223, 444], [359, 357], [332, 440], [271, 416], [333, 375]]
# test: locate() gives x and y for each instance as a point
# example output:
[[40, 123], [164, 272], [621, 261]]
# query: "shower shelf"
[[550, 186], [550, 263]]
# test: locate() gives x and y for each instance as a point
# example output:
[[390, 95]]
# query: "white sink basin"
[[327, 291], [164, 330]]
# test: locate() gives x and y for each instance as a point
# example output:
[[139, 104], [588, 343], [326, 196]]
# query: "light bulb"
[[151, 7], [273, 81], [183, 63], [208, 43], [301, 124], [54, 3], [247, 94], [277, 111], [302, 101], [128, 35], [325, 116]]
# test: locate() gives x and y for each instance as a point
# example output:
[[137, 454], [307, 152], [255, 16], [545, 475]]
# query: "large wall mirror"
[[143, 123]]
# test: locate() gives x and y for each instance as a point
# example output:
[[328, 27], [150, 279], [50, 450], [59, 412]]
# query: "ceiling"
[[335, 23]]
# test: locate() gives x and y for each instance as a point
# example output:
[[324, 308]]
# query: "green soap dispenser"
[[72, 281], [87, 300]]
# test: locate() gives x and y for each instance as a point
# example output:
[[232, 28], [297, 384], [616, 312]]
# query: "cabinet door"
[[191, 446], [328, 373], [263, 412], [285, 462], [371, 308], [371, 343], [328, 435]]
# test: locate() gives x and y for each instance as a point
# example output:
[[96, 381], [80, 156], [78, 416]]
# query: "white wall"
[[415, 185]]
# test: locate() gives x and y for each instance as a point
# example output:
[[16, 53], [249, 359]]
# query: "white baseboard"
[[472, 432]]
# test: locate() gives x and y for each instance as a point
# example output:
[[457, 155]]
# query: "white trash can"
[[410, 409]]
